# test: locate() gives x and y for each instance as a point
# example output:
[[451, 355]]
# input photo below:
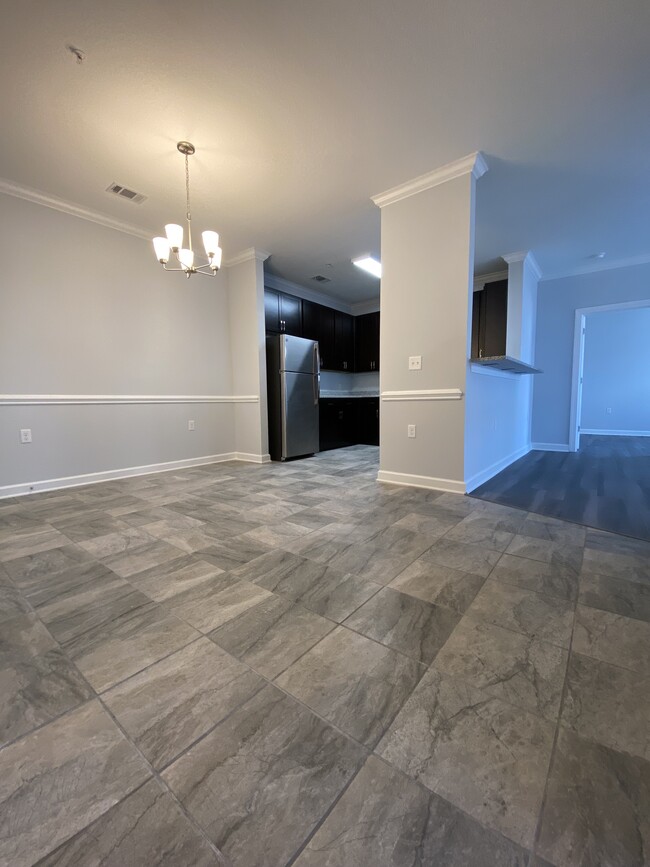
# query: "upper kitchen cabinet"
[[318, 324], [366, 332], [343, 341], [489, 320], [283, 313]]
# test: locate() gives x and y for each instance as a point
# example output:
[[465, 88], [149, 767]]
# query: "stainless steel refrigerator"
[[293, 378]]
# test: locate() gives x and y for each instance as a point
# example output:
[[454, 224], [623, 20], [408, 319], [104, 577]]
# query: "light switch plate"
[[411, 431], [415, 362], [190, 424], [26, 435]]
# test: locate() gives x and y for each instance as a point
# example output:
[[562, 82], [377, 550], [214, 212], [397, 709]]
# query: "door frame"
[[579, 334]]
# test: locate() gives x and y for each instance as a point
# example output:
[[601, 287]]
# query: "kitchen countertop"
[[348, 394]]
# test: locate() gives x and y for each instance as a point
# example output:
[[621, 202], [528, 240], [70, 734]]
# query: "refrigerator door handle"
[[316, 375]]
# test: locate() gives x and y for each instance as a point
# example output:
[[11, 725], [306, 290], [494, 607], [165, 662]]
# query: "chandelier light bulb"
[[186, 258], [173, 243], [211, 243], [161, 246], [174, 236], [215, 259]]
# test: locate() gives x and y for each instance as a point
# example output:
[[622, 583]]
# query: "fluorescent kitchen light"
[[369, 264]]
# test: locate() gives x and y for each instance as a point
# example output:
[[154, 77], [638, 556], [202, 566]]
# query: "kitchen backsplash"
[[349, 382]]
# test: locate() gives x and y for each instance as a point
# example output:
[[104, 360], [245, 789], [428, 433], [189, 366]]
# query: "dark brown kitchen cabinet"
[[282, 313], [348, 421], [337, 423], [367, 432], [489, 320], [343, 341], [318, 324], [366, 342]]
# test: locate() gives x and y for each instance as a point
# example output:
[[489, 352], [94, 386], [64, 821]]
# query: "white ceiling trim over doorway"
[[578, 362]]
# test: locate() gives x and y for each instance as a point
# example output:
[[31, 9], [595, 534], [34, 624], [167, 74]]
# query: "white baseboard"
[[479, 478], [616, 433], [251, 458], [450, 485], [549, 447], [108, 475]]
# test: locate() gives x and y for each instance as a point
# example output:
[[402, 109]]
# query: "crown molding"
[[361, 307], [473, 163], [524, 256], [247, 255], [481, 279], [47, 201], [601, 266], [513, 258], [282, 285]]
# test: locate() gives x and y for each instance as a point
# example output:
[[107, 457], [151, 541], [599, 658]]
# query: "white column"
[[427, 254], [248, 353], [523, 276]]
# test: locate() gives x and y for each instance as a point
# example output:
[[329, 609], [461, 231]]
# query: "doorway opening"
[[606, 396]]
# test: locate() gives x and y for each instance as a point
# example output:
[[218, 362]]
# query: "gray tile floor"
[[293, 664]]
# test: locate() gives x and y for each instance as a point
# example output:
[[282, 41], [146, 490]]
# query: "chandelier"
[[173, 243]]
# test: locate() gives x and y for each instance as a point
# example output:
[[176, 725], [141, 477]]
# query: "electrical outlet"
[[608, 410], [26, 435], [415, 362], [411, 431], [190, 424]]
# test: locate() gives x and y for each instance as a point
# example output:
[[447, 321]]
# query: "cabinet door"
[[272, 310], [489, 320], [476, 323], [335, 424], [343, 341], [326, 342], [493, 319], [368, 421], [291, 315], [366, 342], [311, 320]]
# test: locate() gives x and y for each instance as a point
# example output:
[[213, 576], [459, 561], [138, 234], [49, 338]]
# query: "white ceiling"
[[301, 110]]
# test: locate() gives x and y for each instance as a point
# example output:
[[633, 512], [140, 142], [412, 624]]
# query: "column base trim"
[[252, 458], [449, 485], [549, 447]]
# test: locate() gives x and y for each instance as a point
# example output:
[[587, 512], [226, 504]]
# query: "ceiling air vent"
[[126, 193], [320, 279]]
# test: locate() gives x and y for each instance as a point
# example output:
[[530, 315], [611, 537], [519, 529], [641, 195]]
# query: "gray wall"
[[86, 310], [616, 372], [427, 250], [557, 301]]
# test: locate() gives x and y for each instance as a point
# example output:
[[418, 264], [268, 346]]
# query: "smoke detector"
[[126, 193]]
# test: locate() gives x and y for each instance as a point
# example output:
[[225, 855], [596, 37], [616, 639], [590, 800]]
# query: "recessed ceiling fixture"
[[368, 263], [173, 243]]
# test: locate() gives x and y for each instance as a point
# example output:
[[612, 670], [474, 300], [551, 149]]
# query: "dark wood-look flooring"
[[604, 485]]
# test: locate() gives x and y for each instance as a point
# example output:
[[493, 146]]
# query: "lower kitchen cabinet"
[[348, 422], [367, 421]]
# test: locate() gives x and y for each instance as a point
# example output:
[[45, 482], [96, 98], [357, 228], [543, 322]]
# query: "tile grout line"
[[155, 774], [553, 755]]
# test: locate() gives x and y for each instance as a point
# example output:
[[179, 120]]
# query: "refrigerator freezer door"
[[298, 354], [300, 414]]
